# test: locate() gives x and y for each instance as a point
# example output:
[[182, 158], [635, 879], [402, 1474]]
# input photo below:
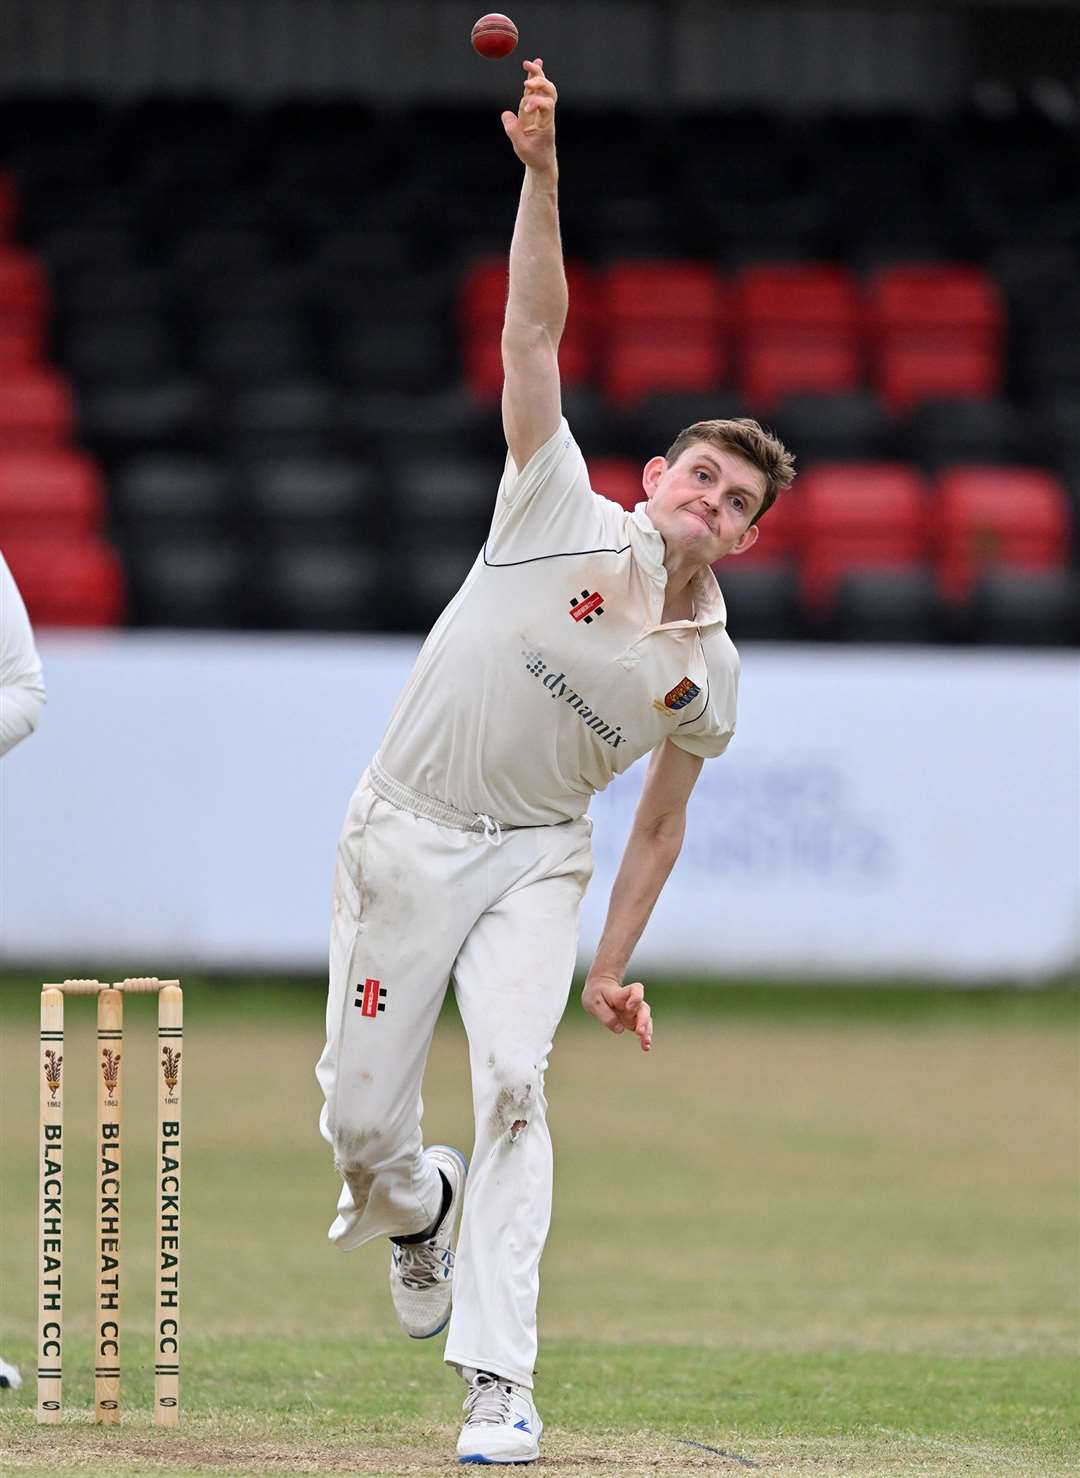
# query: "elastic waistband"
[[406, 799]]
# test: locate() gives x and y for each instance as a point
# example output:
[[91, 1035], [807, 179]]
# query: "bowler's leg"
[[394, 936], [512, 978]]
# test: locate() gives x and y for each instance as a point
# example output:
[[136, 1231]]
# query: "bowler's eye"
[[701, 472], [740, 506]]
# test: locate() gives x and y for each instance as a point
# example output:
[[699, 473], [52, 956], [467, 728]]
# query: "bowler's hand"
[[532, 129], [619, 1007]]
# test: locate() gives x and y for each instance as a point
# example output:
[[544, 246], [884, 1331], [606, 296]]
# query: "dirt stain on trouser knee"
[[508, 1114]]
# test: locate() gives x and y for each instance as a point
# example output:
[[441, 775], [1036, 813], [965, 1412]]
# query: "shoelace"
[[492, 829], [422, 1264], [488, 1402]]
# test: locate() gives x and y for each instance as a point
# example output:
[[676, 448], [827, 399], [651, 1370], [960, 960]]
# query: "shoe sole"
[[499, 1462], [460, 1158]]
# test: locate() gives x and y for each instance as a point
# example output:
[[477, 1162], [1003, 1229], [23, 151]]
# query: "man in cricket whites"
[[22, 695], [22, 690], [582, 638]]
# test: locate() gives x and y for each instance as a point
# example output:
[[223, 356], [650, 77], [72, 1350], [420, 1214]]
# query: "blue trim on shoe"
[[497, 1462], [432, 1333]]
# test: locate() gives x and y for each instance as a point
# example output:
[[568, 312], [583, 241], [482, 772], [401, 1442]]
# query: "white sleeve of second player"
[[22, 687]]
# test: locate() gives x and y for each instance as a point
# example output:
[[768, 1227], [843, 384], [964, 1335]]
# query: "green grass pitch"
[[815, 1232]]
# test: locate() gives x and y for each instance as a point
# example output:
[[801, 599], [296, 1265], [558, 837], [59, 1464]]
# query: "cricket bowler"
[[582, 638]]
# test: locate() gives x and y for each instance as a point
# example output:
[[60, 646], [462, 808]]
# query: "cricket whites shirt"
[[551, 670]]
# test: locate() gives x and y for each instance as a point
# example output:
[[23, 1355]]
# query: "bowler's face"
[[702, 503]]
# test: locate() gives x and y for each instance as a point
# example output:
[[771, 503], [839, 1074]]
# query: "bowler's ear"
[[651, 474], [747, 541]]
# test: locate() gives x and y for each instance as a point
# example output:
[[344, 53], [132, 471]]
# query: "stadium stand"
[[234, 353]]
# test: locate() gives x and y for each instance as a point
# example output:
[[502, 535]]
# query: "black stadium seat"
[[189, 583], [1026, 607], [117, 351], [334, 496], [318, 586], [762, 599], [886, 606], [169, 415], [965, 430], [252, 351], [167, 494], [294, 418], [827, 427]]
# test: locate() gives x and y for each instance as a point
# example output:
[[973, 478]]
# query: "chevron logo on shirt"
[[587, 606]]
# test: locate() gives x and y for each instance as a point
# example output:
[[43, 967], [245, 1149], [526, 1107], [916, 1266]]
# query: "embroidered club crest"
[[682, 693]]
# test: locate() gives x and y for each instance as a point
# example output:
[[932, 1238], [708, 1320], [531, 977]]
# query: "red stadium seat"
[[68, 582], [639, 362], [20, 347], [994, 517], [857, 516], [931, 297], [935, 331], [617, 478], [665, 296], [819, 297], [23, 293], [482, 296], [661, 326], [36, 410], [778, 534], [55, 494], [908, 373], [793, 362]]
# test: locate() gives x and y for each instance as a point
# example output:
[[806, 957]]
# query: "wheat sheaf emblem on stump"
[[110, 1068], [170, 1064], [53, 1064]]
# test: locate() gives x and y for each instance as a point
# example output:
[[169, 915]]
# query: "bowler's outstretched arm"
[[537, 302], [652, 848]]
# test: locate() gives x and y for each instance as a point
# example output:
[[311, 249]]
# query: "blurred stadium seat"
[[68, 581], [54, 494], [857, 516], [989, 517], [617, 478], [36, 410]]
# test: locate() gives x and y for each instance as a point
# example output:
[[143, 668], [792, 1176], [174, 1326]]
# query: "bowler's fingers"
[[536, 81], [643, 1026]]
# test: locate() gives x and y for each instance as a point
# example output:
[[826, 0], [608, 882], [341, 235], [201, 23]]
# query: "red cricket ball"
[[494, 35]]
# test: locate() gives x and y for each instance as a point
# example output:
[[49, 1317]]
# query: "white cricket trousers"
[[416, 903]]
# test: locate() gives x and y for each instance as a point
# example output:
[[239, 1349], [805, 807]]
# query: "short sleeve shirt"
[[552, 670]]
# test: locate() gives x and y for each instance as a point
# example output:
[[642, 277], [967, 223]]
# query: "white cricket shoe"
[[501, 1422], [422, 1273], [10, 1379]]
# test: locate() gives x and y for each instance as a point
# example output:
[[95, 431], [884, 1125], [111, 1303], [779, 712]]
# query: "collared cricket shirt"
[[551, 670]]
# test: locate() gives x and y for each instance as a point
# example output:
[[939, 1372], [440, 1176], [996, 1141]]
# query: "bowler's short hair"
[[749, 440]]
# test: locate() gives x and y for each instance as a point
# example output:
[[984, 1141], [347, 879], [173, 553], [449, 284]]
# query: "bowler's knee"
[[510, 1097]]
